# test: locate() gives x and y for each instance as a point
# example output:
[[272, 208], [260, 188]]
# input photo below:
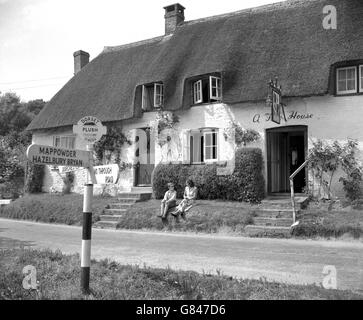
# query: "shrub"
[[34, 178], [245, 184]]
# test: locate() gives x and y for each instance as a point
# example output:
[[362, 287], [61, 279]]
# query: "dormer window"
[[349, 79], [207, 89], [152, 96]]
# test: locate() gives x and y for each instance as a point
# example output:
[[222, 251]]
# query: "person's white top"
[[170, 195], [190, 193]]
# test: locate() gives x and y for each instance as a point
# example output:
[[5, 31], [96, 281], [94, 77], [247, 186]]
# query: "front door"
[[144, 166], [286, 150]]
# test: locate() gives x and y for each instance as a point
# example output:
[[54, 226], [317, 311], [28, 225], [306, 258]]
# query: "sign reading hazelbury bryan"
[[47, 155], [90, 129]]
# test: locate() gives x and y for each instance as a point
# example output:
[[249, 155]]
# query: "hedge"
[[245, 184]]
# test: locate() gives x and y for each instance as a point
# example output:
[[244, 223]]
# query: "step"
[[114, 211], [274, 213], [106, 224], [114, 217], [135, 196], [274, 222], [142, 189], [300, 201], [117, 205], [253, 230]]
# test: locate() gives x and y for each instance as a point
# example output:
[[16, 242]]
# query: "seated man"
[[168, 202]]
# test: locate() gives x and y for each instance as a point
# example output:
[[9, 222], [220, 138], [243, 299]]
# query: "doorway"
[[286, 151], [143, 156]]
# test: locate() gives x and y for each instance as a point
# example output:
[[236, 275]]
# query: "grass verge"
[[52, 208], [58, 277], [208, 216]]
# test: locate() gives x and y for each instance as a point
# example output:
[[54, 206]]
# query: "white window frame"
[[158, 95], [67, 139], [337, 80], [361, 78], [197, 92], [217, 86], [210, 132], [143, 106]]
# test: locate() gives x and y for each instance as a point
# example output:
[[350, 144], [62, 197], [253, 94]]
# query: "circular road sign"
[[90, 129]]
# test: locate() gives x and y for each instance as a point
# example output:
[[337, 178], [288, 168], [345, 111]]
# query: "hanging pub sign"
[[274, 99]]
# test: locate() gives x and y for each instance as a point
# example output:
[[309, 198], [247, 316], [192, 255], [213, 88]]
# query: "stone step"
[[273, 213], [114, 217], [132, 195], [126, 200], [142, 189], [106, 224], [117, 205], [114, 211], [253, 230], [301, 202], [274, 222]]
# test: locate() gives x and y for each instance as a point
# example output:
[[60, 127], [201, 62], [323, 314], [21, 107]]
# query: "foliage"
[[354, 172], [68, 180], [326, 159], [34, 178], [111, 144], [16, 115], [163, 120], [245, 184], [242, 136]]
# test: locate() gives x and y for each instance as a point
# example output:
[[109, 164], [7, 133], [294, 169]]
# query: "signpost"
[[107, 174], [90, 130]]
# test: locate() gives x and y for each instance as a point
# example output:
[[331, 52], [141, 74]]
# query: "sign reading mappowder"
[[47, 155]]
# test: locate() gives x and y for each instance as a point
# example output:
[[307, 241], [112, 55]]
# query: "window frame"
[[210, 132], [218, 88], [68, 144], [160, 94], [360, 79], [356, 79], [197, 91]]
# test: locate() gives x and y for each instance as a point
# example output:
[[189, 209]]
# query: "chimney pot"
[[174, 16], [81, 58]]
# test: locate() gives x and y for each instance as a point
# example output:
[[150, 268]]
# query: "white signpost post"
[[90, 130]]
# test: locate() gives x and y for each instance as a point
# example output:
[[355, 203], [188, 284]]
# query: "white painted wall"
[[327, 117]]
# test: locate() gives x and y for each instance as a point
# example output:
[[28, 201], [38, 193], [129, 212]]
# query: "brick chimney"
[[174, 16], [81, 58]]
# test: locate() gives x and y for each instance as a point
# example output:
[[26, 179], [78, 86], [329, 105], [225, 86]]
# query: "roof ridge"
[[264, 8], [107, 49]]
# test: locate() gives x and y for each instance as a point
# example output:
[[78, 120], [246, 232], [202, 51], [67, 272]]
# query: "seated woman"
[[168, 202], [190, 194]]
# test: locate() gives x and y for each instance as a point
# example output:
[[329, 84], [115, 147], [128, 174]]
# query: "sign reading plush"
[[47, 155], [90, 129], [107, 174]]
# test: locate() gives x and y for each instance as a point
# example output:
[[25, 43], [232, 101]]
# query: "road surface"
[[283, 260]]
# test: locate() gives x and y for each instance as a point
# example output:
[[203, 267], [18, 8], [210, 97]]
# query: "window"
[[203, 145], [65, 142], [361, 78], [152, 96], [347, 80], [207, 89]]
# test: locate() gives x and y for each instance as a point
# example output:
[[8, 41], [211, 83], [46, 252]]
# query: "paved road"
[[291, 261]]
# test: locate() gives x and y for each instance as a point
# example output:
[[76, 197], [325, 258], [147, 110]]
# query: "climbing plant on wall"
[[242, 136], [163, 120], [110, 144]]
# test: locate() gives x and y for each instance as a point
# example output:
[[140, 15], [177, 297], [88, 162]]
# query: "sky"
[[38, 37]]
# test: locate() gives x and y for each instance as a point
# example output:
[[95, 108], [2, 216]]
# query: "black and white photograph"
[[181, 156]]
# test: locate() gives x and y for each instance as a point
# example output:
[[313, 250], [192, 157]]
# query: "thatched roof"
[[248, 47]]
